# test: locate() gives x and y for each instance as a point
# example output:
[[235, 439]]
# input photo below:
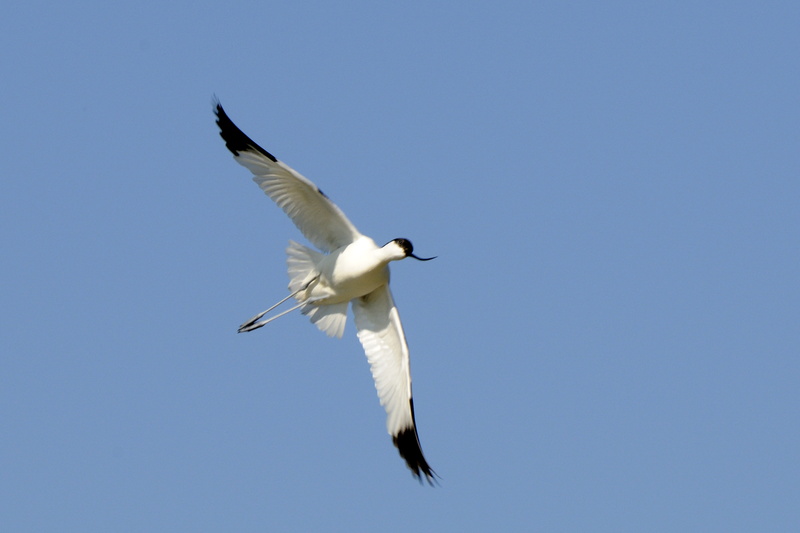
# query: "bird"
[[350, 269]]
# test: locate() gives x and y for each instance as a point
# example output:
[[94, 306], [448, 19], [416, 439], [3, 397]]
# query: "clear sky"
[[609, 340]]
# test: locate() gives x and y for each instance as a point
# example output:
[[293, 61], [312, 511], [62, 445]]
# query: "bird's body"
[[350, 272], [352, 269]]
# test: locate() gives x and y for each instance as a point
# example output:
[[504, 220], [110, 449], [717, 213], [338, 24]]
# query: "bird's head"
[[407, 249]]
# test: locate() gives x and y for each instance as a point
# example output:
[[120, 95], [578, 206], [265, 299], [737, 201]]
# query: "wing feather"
[[319, 219], [381, 335]]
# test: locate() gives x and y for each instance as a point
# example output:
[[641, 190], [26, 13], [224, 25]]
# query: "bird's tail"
[[302, 262]]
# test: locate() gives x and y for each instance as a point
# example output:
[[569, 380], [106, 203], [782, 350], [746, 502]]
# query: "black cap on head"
[[408, 248]]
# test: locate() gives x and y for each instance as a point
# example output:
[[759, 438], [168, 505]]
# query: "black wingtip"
[[407, 443], [235, 139]]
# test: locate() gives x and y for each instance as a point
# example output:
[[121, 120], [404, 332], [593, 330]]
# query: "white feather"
[[381, 335]]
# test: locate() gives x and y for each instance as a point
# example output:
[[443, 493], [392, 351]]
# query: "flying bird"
[[351, 268]]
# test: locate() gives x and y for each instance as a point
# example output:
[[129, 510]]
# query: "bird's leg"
[[251, 324]]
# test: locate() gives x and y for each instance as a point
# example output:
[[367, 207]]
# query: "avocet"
[[350, 269]]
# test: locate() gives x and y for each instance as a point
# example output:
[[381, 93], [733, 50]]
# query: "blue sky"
[[608, 340]]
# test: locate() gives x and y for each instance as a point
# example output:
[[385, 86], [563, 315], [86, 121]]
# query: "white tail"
[[302, 262]]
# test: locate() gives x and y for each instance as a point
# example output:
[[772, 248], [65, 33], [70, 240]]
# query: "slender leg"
[[262, 313], [250, 324]]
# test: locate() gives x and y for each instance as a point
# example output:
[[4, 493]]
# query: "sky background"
[[609, 339]]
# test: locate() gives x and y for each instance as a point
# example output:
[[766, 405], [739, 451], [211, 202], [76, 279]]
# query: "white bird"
[[352, 269]]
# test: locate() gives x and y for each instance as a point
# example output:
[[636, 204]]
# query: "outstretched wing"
[[381, 335], [320, 220]]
